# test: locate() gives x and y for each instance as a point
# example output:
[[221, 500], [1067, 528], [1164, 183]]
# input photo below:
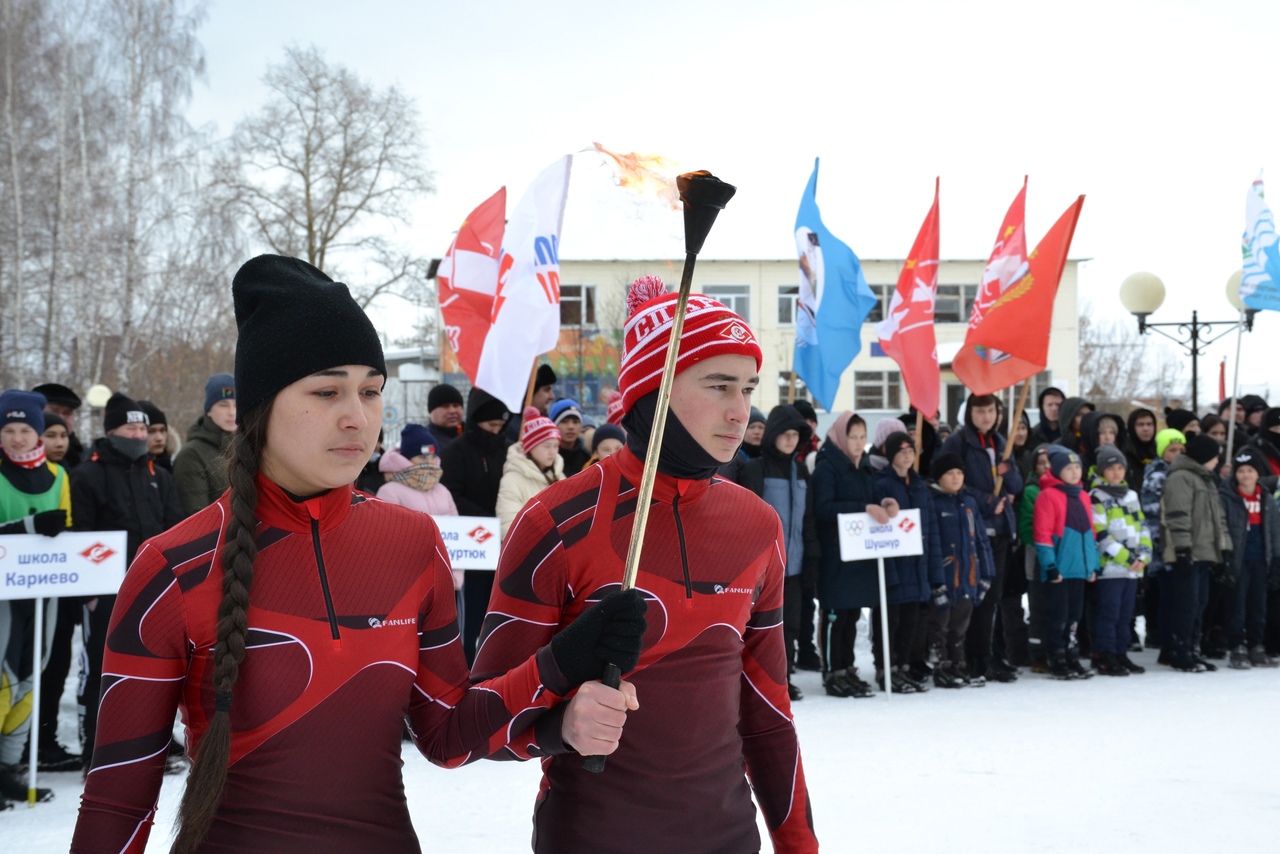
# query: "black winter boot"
[[1129, 665], [1239, 659], [1058, 668], [1107, 664]]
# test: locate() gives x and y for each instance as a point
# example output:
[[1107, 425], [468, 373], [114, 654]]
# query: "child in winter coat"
[[533, 464], [1194, 531], [1125, 549], [1158, 601], [909, 581], [1035, 590], [967, 569], [35, 498], [1254, 522], [415, 479], [783, 482], [1063, 533]]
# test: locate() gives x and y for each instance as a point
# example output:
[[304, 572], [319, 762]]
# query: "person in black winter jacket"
[[1098, 429], [1141, 448], [843, 482], [1049, 401], [472, 471], [119, 488], [909, 581], [1268, 442], [1070, 416], [981, 449], [782, 481], [1253, 521]]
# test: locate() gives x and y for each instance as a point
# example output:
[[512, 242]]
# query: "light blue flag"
[[1260, 288], [834, 301]]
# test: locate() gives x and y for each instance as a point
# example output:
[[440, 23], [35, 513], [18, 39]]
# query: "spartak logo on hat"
[[735, 331]]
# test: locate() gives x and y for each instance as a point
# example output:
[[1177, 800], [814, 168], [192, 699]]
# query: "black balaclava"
[[681, 455]]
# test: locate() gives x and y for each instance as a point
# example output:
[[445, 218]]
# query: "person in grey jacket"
[[1194, 532], [1253, 520], [199, 470]]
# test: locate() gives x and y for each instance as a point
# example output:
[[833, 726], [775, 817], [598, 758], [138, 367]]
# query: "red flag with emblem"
[[1019, 321], [468, 279], [906, 334]]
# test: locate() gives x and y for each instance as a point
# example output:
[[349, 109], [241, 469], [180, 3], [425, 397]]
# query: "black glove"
[[1226, 557], [609, 632], [51, 523], [940, 599], [1182, 560], [1052, 575]]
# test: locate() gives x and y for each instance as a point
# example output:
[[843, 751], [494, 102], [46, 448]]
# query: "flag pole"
[[704, 196], [528, 393], [1235, 393], [1008, 439], [919, 437]]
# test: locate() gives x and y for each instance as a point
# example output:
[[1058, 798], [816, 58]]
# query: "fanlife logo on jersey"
[[376, 623]]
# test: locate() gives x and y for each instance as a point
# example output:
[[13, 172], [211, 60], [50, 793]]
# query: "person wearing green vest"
[[35, 498]]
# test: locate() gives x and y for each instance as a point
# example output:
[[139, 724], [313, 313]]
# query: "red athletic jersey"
[[352, 627], [712, 679]]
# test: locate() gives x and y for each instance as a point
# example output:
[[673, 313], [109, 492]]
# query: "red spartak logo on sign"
[[97, 553], [479, 534], [906, 526]]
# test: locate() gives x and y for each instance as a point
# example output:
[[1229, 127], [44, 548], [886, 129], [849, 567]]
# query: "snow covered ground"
[[1164, 762]]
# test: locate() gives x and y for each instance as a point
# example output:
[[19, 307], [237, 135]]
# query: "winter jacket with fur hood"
[[1191, 514], [521, 480]]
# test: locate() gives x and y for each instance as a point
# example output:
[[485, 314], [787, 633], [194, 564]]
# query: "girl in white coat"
[[533, 464]]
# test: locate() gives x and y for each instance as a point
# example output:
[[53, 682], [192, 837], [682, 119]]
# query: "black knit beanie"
[[1178, 419], [1252, 457], [1271, 418], [294, 321], [155, 415], [441, 395], [944, 463], [545, 376], [1202, 448], [122, 410], [806, 410]]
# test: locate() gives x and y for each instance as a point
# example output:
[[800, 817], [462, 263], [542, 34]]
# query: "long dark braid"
[[208, 775]]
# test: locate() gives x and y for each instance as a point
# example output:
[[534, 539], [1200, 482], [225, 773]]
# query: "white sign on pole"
[[473, 542], [74, 563], [862, 538]]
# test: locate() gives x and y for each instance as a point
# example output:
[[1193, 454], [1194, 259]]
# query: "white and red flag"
[[520, 284], [906, 334]]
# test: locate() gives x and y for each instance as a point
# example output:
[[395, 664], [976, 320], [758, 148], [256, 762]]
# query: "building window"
[[1039, 383], [736, 297], [877, 390], [883, 293], [784, 388], [788, 296], [577, 305], [954, 303]]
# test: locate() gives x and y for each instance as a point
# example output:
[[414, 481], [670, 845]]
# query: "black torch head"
[[704, 196]]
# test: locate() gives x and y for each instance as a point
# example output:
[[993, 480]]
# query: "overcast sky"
[[1161, 113]]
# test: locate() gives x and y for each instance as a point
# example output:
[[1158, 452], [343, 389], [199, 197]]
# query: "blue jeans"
[[1115, 599]]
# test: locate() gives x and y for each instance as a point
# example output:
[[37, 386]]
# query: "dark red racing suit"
[[352, 627], [712, 679]]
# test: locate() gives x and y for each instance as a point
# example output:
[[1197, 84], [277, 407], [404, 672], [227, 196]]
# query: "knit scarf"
[[1078, 518], [421, 477], [30, 460]]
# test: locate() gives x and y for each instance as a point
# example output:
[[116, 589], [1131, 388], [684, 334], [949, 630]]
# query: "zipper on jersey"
[[324, 583], [684, 554]]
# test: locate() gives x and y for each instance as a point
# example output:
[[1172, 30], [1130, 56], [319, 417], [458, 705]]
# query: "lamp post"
[[1143, 293]]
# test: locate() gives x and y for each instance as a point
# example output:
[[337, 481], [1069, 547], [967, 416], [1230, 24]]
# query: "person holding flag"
[[713, 574]]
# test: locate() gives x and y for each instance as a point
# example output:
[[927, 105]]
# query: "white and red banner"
[[518, 285], [906, 334]]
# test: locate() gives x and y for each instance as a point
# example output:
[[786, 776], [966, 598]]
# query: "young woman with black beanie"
[[295, 622]]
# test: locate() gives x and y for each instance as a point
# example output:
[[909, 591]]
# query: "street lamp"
[[1143, 293]]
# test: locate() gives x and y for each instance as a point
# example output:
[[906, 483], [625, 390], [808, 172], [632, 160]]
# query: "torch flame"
[[650, 174]]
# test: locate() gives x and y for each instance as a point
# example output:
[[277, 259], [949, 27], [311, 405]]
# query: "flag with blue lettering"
[[834, 301], [1260, 287]]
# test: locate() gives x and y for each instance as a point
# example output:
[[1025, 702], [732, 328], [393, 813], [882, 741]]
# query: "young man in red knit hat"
[[712, 572]]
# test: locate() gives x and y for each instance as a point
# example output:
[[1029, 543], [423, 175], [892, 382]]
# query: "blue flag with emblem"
[[1260, 287], [833, 303]]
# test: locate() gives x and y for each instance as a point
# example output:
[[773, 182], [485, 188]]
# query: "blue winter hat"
[[563, 408], [1060, 458], [219, 387], [416, 439], [607, 431], [23, 407]]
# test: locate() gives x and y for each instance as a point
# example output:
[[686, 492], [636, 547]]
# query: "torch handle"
[[612, 678]]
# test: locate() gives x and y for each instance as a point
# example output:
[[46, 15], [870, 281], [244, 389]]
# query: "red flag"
[[1222, 379], [1008, 261], [906, 334], [1019, 321], [468, 277]]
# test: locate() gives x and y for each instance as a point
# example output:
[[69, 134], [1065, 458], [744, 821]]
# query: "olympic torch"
[[704, 196]]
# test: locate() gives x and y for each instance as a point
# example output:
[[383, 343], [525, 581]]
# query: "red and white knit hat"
[[613, 415], [710, 329], [536, 429]]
